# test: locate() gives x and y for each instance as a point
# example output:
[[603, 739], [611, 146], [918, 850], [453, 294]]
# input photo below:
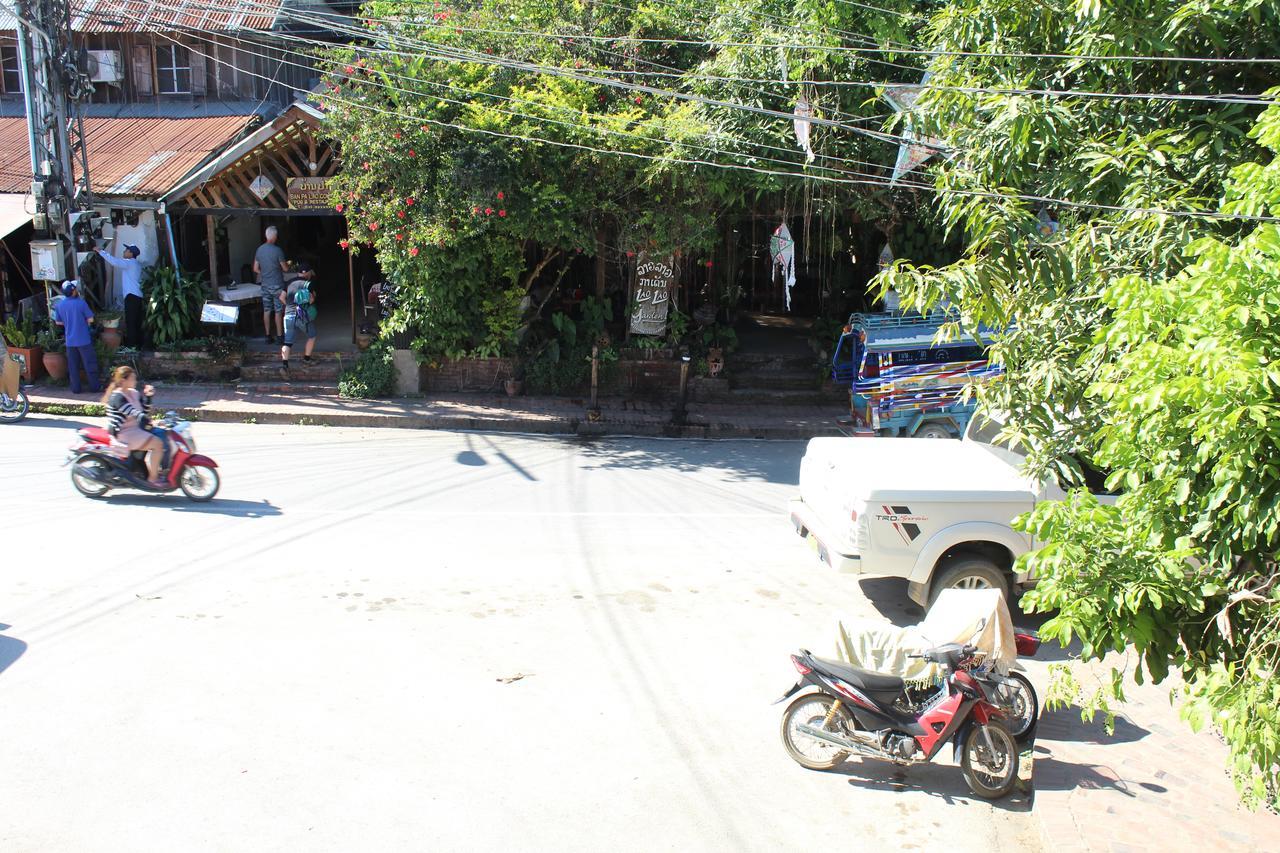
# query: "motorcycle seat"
[[872, 682]]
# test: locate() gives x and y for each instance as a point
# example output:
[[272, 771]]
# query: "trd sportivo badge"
[[907, 525]]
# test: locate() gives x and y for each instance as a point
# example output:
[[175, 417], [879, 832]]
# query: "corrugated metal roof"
[[116, 16], [127, 156]]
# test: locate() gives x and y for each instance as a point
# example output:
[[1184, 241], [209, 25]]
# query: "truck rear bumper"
[[804, 522]]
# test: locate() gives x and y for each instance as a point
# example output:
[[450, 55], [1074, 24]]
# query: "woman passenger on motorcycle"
[[127, 419]]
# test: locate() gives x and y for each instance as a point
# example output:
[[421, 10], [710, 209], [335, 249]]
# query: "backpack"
[[302, 296]]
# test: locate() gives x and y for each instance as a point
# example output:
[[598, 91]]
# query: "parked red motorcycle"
[[855, 711], [99, 464]]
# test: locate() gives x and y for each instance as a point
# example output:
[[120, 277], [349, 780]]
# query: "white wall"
[[144, 235]]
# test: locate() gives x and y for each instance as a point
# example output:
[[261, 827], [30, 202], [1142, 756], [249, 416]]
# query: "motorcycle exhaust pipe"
[[93, 472], [856, 745]]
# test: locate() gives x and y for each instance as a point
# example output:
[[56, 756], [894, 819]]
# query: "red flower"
[[399, 236], [409, 201], [343, 243], [488, 211], [396, 134], [708, 264], [413, 252], [373, 226], [502, 213], [631, 254], [400, 213], [500, 195], [338, 207], [366, 165], [412, 153], [639, 100], [349, 70], [476, 211], [426, 129]]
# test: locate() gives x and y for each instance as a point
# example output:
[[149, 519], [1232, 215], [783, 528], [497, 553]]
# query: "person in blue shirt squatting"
[[74, 315], [131, 285]]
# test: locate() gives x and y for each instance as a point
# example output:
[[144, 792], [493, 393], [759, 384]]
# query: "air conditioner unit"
[[105, 66]]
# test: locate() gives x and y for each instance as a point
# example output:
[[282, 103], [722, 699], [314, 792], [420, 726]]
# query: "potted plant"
[[514, 385], [364, 336], [53, 353], [21, 340], [108, 319]]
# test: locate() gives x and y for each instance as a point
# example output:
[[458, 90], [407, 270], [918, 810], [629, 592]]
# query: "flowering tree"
[[486, 144]]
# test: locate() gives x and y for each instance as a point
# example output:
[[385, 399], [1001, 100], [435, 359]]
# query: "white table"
[[240, 293]]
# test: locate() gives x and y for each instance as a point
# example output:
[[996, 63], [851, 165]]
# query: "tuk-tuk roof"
[[894, 331]]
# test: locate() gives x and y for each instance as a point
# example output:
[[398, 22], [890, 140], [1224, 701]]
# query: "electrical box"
[[48, 260], [105, 66]]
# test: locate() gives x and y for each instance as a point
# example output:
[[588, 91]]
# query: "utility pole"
[[55, 87]]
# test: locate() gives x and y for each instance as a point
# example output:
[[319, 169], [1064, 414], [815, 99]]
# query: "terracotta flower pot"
[[514, 387], [34, 363], [55, 364], [363, 341], [112, 338], [715, 361]]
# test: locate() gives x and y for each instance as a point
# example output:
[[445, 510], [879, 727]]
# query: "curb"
[[568, 426]]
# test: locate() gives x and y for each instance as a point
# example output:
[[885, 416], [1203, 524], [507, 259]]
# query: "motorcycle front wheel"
[[812, 709], [989, 760], [84, 482], [199, 483], [14, 409]]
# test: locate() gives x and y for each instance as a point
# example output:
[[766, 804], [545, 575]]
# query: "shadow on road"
[[889, 597], [944, 781], [781, 464], [10, 648], [1064, 724], [37, 420], [178, 503]]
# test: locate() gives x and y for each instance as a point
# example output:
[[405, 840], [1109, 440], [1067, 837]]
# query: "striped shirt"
[[122, 405]]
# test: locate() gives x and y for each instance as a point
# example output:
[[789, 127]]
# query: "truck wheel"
[[968, 571], [933, 430]]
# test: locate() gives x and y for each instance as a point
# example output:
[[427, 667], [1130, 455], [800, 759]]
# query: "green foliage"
[[173, 302], [51, 339], [21, 335], [373, 375], [1141, 342]]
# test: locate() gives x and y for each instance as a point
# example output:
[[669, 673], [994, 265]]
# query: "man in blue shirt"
[[74, 315], [131, 285]]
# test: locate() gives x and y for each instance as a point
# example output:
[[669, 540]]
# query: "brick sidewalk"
[[475, 411], [1152, 785]]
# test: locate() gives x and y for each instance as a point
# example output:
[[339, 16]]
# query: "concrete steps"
[[324, 369]]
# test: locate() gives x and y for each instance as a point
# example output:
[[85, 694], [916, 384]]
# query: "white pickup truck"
[[935, 512]]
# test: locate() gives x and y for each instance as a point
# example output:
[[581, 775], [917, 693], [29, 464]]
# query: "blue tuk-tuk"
[[902, 382]]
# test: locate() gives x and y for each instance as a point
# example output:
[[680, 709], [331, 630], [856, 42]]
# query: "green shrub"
[[173, 303], [374, 374]]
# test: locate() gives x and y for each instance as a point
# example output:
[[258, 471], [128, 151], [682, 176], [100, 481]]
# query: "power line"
[[576, 125], [859, 181]]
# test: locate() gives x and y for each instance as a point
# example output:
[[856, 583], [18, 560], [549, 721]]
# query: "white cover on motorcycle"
[[976, 616]]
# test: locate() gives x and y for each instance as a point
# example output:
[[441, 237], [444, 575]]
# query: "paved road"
[[393, 640]]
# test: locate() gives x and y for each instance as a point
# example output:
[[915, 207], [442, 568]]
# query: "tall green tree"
[[1143, 336]]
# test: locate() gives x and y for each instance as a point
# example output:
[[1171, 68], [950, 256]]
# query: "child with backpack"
[[299, 316]]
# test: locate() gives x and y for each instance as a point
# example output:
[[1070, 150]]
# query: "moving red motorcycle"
[[855, 711], [99, 464]]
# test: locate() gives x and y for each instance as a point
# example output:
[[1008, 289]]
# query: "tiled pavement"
[[320, 405], [1151, 785]]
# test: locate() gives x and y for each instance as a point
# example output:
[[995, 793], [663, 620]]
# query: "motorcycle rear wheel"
[[199, 483], [811, 709], [1024, 708], [14, 409], [84, 484], [990, 769]]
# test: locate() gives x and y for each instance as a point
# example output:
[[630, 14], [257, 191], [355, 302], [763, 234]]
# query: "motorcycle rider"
[[128, 421]]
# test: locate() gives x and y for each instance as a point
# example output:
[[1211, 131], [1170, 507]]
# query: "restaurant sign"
[[310, 194], [655, 279]]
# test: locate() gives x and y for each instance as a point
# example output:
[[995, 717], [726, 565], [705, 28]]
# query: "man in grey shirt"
[[270, 265]]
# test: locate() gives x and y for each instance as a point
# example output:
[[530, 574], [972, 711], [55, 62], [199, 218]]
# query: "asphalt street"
[[399, 640]]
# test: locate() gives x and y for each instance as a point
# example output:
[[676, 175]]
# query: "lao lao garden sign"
[[655, 280], [309, 194]]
